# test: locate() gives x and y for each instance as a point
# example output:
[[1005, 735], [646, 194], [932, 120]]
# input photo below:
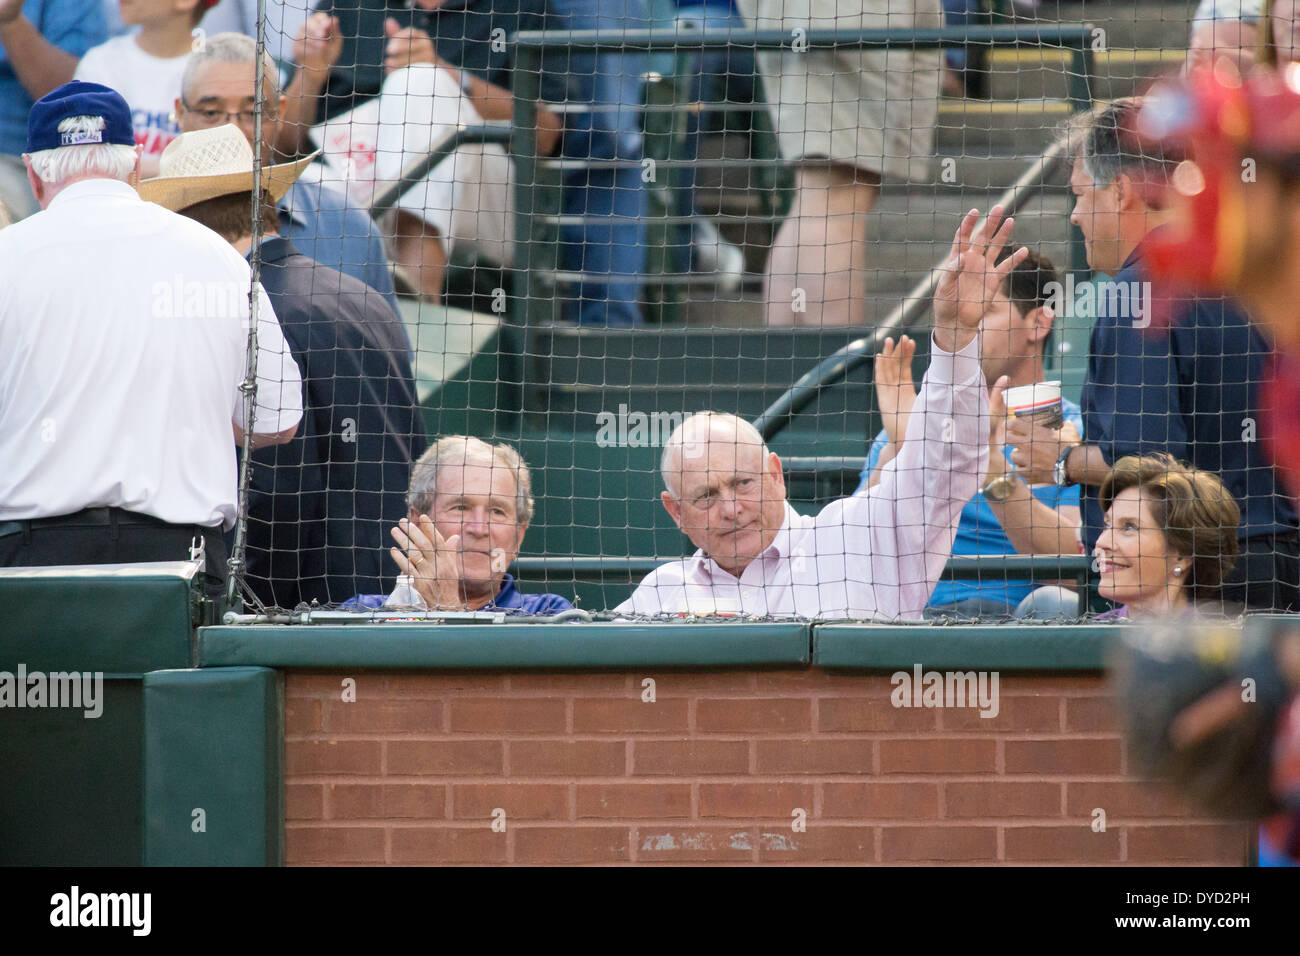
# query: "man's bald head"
[[690, 439]]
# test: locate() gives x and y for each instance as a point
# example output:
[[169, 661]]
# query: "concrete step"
[[990, 127], [1126, 23], [1043, 72]]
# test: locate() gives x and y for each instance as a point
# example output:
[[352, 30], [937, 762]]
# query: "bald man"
[[877, 554]]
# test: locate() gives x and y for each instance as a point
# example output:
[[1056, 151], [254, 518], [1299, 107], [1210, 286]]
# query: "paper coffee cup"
[[1041, 401]]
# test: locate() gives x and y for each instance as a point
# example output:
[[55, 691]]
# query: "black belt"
[[95, 517]]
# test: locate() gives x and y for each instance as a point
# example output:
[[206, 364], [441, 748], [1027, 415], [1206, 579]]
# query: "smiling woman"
[[1170, 535]]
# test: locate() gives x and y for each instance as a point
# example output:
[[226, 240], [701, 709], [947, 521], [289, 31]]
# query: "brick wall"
[[713, 770]]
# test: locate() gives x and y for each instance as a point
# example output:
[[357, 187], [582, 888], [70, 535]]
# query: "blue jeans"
[[1050, 602], [613, 245], [970, 609]]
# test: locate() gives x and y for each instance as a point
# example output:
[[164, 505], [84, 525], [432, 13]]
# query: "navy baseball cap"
[[79, 99]]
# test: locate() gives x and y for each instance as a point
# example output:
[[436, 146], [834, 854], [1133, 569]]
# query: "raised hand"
[[970, 277], [433, 564], [406, 45], [318, 44], [895, 389]]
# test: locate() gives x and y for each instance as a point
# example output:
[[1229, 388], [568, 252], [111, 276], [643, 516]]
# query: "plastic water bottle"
[[405, 594]]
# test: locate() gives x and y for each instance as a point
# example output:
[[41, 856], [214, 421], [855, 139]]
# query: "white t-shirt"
[[149, 84], [123, 342]]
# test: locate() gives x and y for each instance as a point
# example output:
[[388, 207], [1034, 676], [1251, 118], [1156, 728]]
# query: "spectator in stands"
[[123, 336], [844, 118], [468, 37], [875, 554], [1169, 537], [319, 505], [470, 505], [1006, 516], [1230, 28], [1189, 388], [146, 68], [40, 44], [219, 85]]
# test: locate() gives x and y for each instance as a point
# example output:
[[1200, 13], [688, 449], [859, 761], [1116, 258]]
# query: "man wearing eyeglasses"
[[219, 86]]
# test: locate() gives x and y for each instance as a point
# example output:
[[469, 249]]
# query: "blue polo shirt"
[[1190, 389], [980, 532], [74, 26], [509, 598]]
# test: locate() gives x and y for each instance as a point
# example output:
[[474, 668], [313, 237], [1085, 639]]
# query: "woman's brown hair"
[[1198, 515]]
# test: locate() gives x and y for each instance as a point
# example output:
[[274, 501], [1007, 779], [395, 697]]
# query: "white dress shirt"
[[123, 342], [877, 554]]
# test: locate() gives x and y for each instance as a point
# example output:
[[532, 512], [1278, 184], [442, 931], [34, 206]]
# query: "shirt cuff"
[[955, 368]]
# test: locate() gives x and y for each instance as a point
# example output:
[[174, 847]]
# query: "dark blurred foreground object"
[[1212, 706]]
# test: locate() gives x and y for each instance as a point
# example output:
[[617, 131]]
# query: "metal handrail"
[[415, 173], [861, 351]]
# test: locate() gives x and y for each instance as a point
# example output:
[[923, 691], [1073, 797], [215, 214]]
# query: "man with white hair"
[[471, 504], [877, 554], [123, 348]]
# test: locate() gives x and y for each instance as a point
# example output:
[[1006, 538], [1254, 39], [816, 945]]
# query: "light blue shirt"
[[980, 532], [74, 26]]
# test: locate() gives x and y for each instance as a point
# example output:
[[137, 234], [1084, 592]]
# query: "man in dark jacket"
[[1180, 376], [319, 507]]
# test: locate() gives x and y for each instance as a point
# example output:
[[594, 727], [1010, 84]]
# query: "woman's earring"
[[1177, 569]]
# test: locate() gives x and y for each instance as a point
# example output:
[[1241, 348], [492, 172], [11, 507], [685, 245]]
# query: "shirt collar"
[[509, 595], [95, 187]]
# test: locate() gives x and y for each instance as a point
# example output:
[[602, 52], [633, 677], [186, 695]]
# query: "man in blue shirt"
[[1007, 516], [219, 87], [470, 505], [1190, 389], [40, 44]]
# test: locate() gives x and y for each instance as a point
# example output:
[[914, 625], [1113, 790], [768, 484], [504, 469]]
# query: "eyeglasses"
[[214, 117]]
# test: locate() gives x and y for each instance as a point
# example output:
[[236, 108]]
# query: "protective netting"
[[563, 228]]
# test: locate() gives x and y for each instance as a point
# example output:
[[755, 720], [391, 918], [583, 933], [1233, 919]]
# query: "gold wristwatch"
[[999, 489]]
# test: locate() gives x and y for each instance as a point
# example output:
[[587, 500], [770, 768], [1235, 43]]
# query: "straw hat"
[[208, 163]]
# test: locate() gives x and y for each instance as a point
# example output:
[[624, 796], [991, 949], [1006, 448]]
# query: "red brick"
[[506, 715], [565, 685], [304, 801], [698, 683], [642, 801], [1124, 799], [332, 757], [448, 844], [1093, 684], [821, 683], [1091, 714], [989, 799], [871, 715], [571, 844], [1202, 843], [568, 758], [300, 685], [316, 844], [817, 844], [597, 715], [1063, 756], [754, 716], [697, 844], [881, 801], [931, 843], [948, 755], [690, 757], [810, 755], [445, 757], [1061, 844], [1035, 715], [755, 799], [378, 716], [371, 801], [522, 801], [425, 685], [301, 716]]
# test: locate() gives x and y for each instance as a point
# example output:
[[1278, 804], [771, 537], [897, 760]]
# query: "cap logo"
[[79, 130]]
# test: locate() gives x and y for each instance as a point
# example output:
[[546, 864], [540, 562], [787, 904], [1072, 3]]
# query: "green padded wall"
[[213, 767]]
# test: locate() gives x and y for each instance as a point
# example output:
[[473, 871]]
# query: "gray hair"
[[229, 48], [104, 160], [1108, 147], [460, 450], [706, 422]]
